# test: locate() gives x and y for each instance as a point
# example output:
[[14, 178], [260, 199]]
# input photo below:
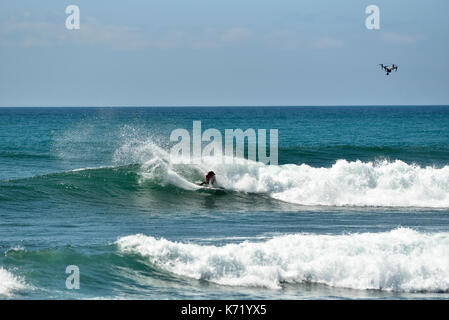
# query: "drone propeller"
[[388, 69]]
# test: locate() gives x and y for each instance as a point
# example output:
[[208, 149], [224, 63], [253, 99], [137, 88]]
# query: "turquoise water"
[[358, 206]]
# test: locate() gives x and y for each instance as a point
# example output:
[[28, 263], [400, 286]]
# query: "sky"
[[223, 53]]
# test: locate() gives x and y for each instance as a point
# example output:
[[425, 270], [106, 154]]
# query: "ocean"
[[356, 208]]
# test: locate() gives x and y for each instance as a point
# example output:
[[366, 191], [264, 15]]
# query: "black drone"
[[388, 69]]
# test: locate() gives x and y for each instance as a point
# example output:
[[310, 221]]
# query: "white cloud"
[[213, 38], [398, 38], [235, 34], [328, 42], [284, 39], [95, 33], [27, 34]]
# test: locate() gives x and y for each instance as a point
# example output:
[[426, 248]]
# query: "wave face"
[[402, 260], [9, 283], [359, 184]]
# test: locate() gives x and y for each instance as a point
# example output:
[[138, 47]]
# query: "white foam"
[[10, 283], [399, 260], [156, 164], [344, 184], [164, 173], [15, 249], [357, 183]]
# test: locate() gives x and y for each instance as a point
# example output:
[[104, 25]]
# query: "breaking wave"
[[145, 166], [402, 260], [9, 283], [356, 183]]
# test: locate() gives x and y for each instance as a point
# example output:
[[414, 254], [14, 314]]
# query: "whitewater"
[[400, 260], [9, 283], [379, 183]]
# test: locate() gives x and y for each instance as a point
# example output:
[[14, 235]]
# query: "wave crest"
[[401, 260], [383, 183]]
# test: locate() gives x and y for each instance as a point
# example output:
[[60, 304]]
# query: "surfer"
[[210, 178]]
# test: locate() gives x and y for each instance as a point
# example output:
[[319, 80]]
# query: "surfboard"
[[206, 186], [211, 189]]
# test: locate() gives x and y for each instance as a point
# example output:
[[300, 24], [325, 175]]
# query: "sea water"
[[358, 206]]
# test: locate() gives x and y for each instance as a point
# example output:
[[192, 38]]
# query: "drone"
[[388, 69]]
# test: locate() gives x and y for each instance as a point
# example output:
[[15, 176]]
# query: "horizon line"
[[232, 106]]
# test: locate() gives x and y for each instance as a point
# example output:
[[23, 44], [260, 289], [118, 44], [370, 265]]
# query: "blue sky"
[[215, 52]]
